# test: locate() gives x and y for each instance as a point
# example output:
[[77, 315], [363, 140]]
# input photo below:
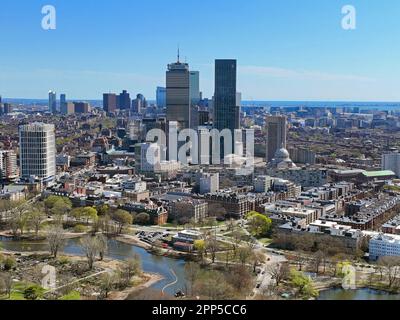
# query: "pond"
[[118, 251], [359, 294]]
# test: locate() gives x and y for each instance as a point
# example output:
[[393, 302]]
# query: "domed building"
[[282, 160]]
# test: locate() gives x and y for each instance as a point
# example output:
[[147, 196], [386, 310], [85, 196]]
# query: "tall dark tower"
[[226, 109], [178, 94]]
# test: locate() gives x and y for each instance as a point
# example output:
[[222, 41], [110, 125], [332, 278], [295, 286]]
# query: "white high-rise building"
[[391, 161], [37, 144]]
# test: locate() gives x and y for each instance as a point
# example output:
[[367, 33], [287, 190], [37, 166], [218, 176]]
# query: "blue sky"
[[286, 49]]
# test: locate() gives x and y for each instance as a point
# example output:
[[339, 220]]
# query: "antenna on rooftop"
[[179, 54]]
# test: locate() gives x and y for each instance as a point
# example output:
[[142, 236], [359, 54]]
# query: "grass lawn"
[[17, 292], [265, 241]]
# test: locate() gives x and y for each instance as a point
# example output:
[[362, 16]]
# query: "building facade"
[[38, 151], [276, 135], [178, 94]]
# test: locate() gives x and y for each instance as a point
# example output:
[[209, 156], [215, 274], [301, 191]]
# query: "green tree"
[[303, 284], [200, 247], [103, 210], [142, 218], [90, 213], [122, 218], [259, 224]]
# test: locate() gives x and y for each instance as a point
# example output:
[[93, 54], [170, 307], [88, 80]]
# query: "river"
[[359, 294], [118, 251]]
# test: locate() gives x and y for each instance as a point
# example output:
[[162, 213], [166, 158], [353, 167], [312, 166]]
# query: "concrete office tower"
[[391, 161], [147, 157], [178, 94], [8, 165], [110, 102], [263, 184], [67, 108], [195, 95], [208, 182], [82, 107], [161, 97], [226, 110], [124, 101], [276, 135], [37, 144], [53, 102], [139, 105]]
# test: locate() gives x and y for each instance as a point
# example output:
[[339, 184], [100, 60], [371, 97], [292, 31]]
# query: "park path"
[[172, 283]]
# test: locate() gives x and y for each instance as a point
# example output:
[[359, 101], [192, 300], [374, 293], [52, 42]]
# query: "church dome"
[[282, 154]]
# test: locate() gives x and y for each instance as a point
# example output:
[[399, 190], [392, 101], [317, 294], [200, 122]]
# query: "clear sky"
[[286, 49]]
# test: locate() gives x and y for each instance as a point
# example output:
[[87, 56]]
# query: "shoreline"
[[152, 279]]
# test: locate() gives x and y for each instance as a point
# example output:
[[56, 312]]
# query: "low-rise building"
[[384, 245], [187, 209]]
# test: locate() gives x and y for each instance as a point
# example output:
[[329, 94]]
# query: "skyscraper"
[[53, 102], [124, 101], [178, 94], [161, 96], [195, 87], [226, 111], [82, 107], [139, 104], [276, 135], [110, 102], [38, 151], [63, 102], [8, 165]]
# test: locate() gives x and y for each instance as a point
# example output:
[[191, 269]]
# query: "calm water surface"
[[118, 251]]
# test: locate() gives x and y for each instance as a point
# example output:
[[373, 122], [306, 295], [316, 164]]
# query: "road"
[[264, 279]]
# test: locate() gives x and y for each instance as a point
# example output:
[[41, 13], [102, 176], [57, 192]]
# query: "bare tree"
[[212, 247], [56, 239], [7, 282], [278, 272], [36, 216], [90, 246], [192, 272], [102, 246], [391, 266], [107, 283]]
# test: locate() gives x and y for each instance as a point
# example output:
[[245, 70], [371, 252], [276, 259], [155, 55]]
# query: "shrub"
[[33, 292], [79, 228], [8, 263]]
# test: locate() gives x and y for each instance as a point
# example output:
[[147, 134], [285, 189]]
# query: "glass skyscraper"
[[226, 111]]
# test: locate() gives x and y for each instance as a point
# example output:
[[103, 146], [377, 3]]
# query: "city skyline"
[[285, 53]]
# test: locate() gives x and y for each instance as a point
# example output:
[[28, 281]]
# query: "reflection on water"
[[360, 294], [118, 251]]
